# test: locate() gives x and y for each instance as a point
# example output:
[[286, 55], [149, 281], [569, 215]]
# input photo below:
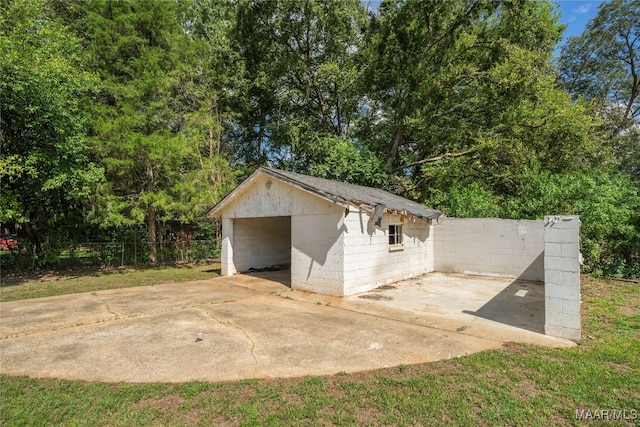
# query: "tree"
[[300, 59], [604, 61], [46, 170], [212, 97], [464, 91], [143, 56], [603, 66]]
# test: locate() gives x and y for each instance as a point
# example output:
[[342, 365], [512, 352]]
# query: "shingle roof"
[[344, 193]]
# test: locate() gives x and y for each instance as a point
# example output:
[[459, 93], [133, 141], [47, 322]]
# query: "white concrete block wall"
[[227, 267], [562, 276], [368, 260], [317, 249], [490, 246], [261, 242]]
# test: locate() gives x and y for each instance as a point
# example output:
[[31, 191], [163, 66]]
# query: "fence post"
[[33, 257], [122, 255]]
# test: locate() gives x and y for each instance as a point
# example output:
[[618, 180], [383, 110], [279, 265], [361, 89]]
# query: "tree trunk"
[[393, 152], [33, 236], [151, 220], [151, 229]]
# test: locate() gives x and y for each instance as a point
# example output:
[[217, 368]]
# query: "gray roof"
[[348, 194]]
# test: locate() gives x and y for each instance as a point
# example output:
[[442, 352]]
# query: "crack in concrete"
[[246, 334], [104, 301], [116, 317]]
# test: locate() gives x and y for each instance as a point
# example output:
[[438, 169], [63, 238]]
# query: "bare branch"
[[439, 157]]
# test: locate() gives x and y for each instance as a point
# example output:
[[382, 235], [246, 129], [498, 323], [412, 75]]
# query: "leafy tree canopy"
[[603, 65], [604, 61], [45, 166], [464, 90]]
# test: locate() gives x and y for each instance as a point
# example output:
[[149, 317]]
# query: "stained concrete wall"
[[227, 267], [490, 247], [370, 262], [344, 255], [261, 242], [562, 276], [317, 253]]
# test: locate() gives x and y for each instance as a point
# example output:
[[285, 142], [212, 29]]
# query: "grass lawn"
[[515, 385], [35, 285]]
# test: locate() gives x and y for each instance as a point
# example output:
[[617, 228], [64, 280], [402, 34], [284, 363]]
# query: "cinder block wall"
[[490, 247], [317, 253], [562, 276], [369, 261]]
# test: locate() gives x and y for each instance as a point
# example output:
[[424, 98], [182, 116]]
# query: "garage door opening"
[[262, 243]]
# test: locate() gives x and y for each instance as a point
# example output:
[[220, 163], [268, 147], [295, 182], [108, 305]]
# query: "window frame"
[[396, 237]]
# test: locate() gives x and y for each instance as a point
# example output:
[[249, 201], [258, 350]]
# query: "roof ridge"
[[313, 184]]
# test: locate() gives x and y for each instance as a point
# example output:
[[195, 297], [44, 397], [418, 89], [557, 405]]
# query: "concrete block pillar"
[[227, 267], [562, 276]]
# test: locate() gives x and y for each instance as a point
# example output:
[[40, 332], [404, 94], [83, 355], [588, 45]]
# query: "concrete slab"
[[492, 308], [244, 326]]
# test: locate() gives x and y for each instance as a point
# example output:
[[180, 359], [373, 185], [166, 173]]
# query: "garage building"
[[338, 238]]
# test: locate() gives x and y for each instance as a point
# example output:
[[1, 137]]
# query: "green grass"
[[516, 385], [88, 280]]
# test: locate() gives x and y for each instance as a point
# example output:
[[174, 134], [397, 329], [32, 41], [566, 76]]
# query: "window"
[[395, 235]]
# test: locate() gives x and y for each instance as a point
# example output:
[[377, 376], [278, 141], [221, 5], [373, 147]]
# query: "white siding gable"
[[268, 196]]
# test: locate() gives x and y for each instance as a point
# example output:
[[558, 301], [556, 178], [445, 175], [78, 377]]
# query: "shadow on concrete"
[[282, 276], [535, 271], [521, 304]]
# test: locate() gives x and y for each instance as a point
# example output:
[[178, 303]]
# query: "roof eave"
[[308, 188], [215, 211]]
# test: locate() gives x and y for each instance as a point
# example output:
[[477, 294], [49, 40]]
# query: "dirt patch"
[[375, 297], [165, 404], [386, 288], [619, 367], [512, 346]]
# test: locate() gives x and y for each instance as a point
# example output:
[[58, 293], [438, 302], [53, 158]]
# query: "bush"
[[608, 204]]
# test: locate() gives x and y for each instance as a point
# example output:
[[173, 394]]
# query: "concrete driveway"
[[238, 327]]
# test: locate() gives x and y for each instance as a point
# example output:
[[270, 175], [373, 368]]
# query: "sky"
[[576, 14]]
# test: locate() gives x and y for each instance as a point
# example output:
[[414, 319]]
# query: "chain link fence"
[[27, 256]]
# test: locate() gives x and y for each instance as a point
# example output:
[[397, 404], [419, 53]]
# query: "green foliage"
[[344, 161], [602, 65], [46, 169], [455, 103], [149, 129], [466, 201], [451, 76], [303, 77], [608, 204], [603, 61]]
